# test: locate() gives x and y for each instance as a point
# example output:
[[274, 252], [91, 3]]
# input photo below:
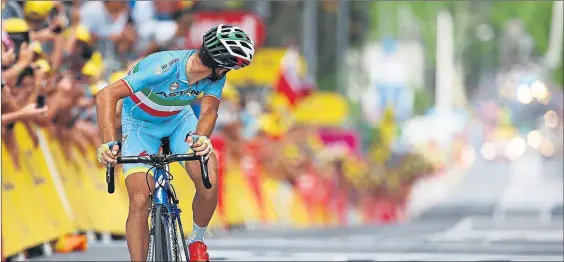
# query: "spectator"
[[12, 111], [36, 14], [142, 11], [79, 49], [113, 27], [18, 34], [8, 56], [165, 9], [46, 21], [12, 9], [167, 34], [104, 19], [7, 43], [27, 112]]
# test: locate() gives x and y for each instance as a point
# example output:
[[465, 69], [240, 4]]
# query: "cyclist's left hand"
[[201, 144], [107, 152]]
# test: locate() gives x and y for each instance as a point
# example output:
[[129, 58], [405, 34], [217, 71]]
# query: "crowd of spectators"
[[56, 55]]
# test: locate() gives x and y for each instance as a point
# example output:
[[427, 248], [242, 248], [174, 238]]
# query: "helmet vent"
[[238, 50], [231, 42], [245, 45]]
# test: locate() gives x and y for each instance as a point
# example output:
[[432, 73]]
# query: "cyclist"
[[156, 96]]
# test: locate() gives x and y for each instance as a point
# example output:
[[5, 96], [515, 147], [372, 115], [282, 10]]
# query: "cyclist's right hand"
[[105, 155]]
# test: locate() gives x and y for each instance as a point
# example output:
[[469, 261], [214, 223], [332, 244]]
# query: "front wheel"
[[159, 239]]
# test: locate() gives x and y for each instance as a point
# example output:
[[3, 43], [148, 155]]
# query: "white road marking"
[[466, 229], [234, 255]]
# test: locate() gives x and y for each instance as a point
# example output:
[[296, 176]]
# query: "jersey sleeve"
[[149, 72], [215, 88]]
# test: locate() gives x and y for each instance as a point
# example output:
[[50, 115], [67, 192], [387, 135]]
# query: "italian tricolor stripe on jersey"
[[156, 106], [149, 94]]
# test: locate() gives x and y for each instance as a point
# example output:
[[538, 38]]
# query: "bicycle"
[[164, 210]]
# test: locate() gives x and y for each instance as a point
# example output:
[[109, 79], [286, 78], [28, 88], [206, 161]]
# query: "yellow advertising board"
[[264, 69], [322, 108]]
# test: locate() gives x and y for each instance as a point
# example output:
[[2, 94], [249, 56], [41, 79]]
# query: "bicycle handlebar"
[[158, 160]]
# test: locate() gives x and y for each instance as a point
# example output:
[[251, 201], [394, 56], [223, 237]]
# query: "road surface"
[[498, 212]]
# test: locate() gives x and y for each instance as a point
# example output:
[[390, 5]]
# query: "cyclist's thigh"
[[187, 123], [137, 141], [179, 146]]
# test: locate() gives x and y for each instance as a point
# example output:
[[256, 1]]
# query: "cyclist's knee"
[[193, 169], [138, 202], [138, 193]]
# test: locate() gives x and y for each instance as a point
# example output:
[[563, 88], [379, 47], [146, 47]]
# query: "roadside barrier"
[[62, 198]]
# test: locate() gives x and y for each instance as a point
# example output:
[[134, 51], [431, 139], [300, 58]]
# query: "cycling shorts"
[[141, 137]]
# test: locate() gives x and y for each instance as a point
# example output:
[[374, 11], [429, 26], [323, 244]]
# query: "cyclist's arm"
[[141, 76], [209, 108], [106, 101], [208, 116]]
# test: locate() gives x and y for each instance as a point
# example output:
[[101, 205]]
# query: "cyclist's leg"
[[136, 142], [205, 200]]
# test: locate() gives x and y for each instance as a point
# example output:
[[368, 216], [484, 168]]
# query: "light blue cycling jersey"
[[159, 87], [158, 106]]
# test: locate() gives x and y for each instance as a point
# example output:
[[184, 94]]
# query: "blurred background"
[[363, 130]]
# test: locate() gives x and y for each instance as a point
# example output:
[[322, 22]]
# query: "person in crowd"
[[17, 48], [46, 21], [29, 111]]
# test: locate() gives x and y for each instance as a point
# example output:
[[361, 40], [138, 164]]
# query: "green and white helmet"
[[228, 46]]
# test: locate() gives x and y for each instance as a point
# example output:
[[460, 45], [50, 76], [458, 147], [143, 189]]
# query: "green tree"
[[535, 15]]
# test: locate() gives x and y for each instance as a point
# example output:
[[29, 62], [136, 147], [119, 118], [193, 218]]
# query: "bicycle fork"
[[151, 210], [175, 214]]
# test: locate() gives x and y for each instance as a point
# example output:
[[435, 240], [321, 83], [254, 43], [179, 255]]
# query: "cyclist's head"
[[224, 48]]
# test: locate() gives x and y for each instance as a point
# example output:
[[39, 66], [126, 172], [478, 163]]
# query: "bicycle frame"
[[163, 195]]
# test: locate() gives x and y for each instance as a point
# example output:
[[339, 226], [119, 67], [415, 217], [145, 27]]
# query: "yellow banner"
[[33, 210], [322, 108]]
